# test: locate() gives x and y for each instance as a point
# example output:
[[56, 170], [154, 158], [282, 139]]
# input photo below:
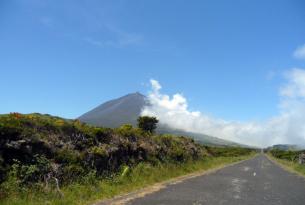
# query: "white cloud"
[[300, 52], [287, 127], [295, 87], [155, 85]]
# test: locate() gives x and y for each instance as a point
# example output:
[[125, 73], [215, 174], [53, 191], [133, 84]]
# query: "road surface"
[[257, 181]]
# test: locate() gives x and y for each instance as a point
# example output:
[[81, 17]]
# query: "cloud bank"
[[286, 127]]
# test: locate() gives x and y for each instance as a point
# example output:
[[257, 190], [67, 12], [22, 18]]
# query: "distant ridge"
[[201, 138], [286, 147], [127, 109]]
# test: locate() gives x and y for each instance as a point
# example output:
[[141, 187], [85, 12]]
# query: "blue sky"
[[227, 58]]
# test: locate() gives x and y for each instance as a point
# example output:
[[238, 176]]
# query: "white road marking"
[[237, 186]]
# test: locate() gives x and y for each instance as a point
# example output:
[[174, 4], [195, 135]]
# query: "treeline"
[[38, 150]]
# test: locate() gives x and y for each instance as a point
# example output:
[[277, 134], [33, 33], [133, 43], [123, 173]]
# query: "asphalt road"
[[257, 181]]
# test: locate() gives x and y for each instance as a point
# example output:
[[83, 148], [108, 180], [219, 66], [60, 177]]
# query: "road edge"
[[284, 167], [125, 198]]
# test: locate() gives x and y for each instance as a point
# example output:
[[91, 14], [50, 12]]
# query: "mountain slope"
[[127, 109], [116, 112], [201, 138]]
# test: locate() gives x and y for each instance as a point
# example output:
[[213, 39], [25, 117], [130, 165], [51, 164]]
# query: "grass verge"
[[93, 190], [289, 165]]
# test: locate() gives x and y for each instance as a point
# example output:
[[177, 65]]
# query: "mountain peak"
[[135, 94], [116, 112], [127, 109]]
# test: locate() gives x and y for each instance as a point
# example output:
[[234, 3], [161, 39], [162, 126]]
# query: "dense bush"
[[36, 148], [38, 145], [286, 154]]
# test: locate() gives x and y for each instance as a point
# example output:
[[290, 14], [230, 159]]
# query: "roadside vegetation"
[[50, 160], [289, 159]]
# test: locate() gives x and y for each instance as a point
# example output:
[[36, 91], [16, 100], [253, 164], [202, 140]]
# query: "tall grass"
[[91, 189], [291, 165]]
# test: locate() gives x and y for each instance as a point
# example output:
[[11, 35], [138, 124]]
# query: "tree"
[[147, 123]]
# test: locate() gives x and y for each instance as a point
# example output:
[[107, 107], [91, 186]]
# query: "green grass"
[[92, 190], [290, 165]]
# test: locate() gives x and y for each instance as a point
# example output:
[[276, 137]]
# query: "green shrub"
[[35, 146], [285, 154], [147, 123], [34, 172]]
